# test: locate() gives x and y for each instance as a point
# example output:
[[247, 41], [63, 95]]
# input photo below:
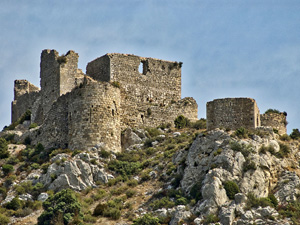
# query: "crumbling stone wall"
[[83, 118], [94, 116], [59, 75], [155, 87], [232, 113], [275, 120], [79, 112], [25, 96]]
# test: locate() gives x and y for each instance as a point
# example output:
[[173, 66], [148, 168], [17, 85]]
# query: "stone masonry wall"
[[275, 120], [25, 96], [59, 75], [156, 86], [232, 113], [94, 116], [87, 116]]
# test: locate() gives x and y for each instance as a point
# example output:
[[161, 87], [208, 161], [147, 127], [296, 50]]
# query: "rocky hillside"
[[163, 176]]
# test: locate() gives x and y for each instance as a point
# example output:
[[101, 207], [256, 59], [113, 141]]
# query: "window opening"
[[142, 68]]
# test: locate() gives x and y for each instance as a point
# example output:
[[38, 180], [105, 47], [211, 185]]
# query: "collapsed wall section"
[[232, 113], [275, 120], [26, 97]]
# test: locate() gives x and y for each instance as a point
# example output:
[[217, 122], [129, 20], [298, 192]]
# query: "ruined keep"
[[234, 113], [78, 111], [275, 120]]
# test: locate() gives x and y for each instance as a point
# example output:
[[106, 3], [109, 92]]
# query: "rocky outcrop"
[[76, 173], [218, 157]]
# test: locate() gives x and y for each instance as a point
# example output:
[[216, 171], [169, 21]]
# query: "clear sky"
[[246, 48]]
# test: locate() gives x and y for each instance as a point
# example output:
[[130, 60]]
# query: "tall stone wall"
[[232, 113], [94, 116], [275, 120], [59, 75], [155, 85], [87, 116], [25, 96]]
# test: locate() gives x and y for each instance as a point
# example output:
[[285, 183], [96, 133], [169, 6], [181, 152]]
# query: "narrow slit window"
[[142, 68]]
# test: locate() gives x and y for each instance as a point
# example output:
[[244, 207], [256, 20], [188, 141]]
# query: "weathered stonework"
[[275, 120], [232, 113], [79, 111], [25, 96]]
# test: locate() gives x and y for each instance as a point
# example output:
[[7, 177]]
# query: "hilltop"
[[164, 175]]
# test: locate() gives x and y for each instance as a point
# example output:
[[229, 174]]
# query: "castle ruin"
[[78, 111], [234, 113]]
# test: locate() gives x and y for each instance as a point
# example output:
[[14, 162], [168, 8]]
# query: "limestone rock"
[[43, 197], [130, 138], [180, 214], [76, 173], [288, 187]]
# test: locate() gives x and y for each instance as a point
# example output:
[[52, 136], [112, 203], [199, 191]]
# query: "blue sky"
[[228, 48]]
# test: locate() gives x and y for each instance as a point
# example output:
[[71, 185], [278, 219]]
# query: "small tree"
[[7, 169], [295, 134], [4, 153], [231, 189], [181, 122], [62, 206]]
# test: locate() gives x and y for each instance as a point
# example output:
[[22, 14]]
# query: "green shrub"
[[10, 137], [27, 141], [116, 84], [62, 59], [23, 212], [199, 124], [14, 204], [181, 201], [7, 169], [130, 193], [64, 203], [243, 148], [3, 192], [272, 111], [273, 199], [25, 116], [164, 202], [147, 219], [132, 183], [231, 189], [285, 137], [284, 151], [4, 153], [110, 209], [153, 132], [33, 125], [125, 169], [295, 134], [75, 152], [89, 219], [211, 218], [249, 165], [195, 191], [181, 122], [253, 202], [4, 220], [104, 153], [241, 132]]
